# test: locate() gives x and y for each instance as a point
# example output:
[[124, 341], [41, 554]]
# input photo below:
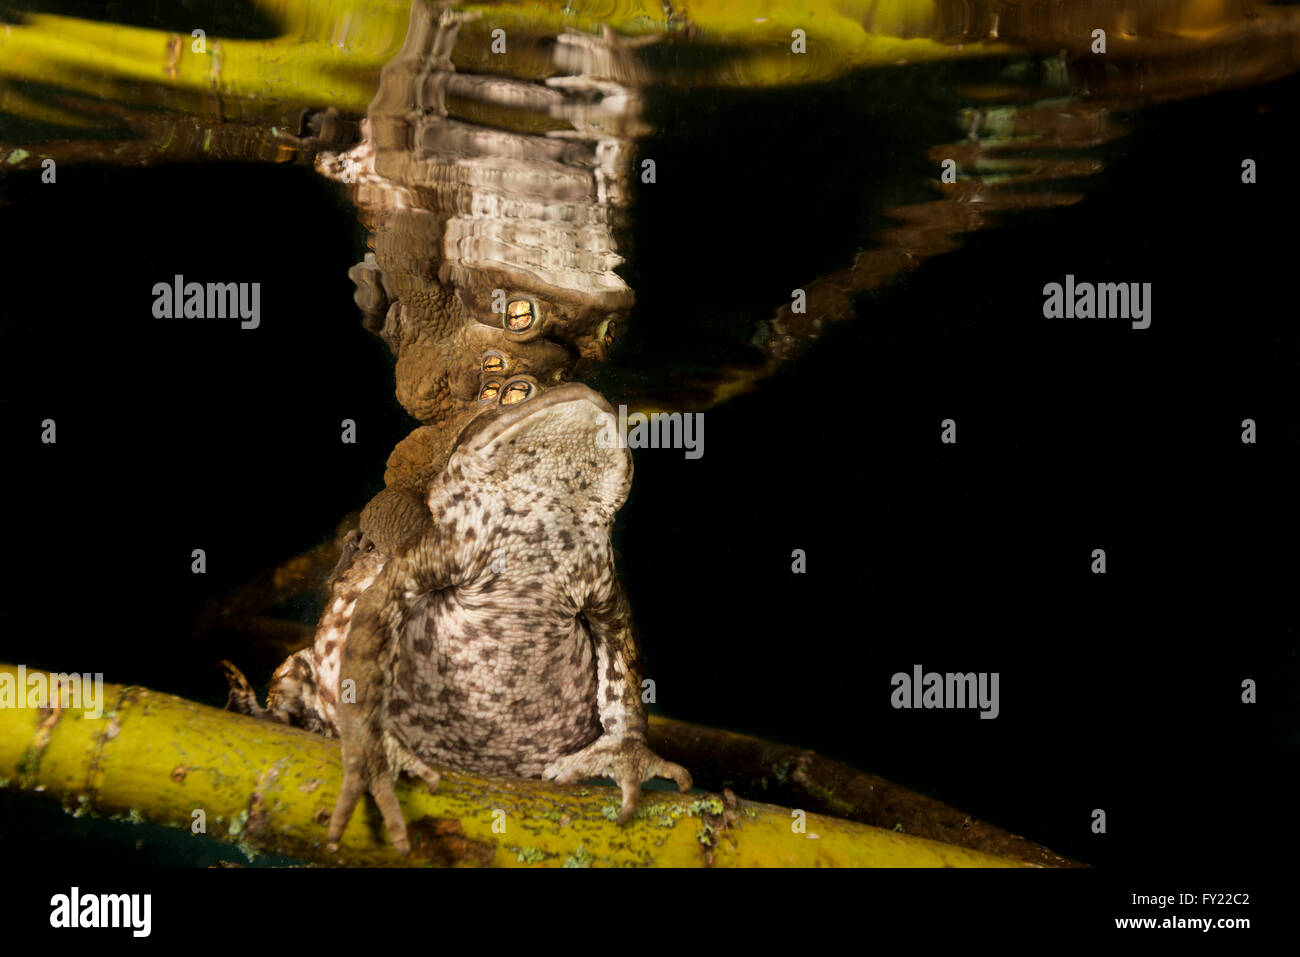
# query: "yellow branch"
[[266, 788]]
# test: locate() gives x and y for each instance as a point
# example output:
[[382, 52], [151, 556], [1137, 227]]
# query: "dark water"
[[1118, 692]]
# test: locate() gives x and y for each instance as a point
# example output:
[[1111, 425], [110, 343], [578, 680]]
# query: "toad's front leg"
[[627, 759], [621, 752], [367, 660], [372, 756], [368, 746]]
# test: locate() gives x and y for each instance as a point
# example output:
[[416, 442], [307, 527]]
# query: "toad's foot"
[[370, 772], [241, 699], [626, 759], [379, 783]]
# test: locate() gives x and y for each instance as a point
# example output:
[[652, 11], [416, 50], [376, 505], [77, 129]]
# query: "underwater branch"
[[267, 788]]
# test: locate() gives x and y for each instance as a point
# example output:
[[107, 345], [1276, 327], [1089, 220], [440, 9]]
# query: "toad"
[[497, 642]]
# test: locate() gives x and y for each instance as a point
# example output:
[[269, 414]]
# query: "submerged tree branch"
[[805, 779], [267, 788]]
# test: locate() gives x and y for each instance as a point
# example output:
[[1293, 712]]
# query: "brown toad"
[[500, 641]]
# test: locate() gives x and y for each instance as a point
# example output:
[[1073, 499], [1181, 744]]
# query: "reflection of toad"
[[500, 641], [493, 240]]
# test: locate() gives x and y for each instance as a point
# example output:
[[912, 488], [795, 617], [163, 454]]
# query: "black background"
[[1119, 692]]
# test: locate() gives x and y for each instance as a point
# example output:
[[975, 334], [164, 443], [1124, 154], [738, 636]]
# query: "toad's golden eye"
[[493, 363], [605, 332], [490, 390], [520, 315], [516, 391]]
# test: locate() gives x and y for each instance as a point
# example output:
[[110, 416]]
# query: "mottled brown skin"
[[392, 518], [501, 643], [399, 511]]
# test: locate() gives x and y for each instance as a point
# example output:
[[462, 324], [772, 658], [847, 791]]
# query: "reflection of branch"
[[244, 609], [1017, 166], [162, 138], [329, 53], [267, 788]]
